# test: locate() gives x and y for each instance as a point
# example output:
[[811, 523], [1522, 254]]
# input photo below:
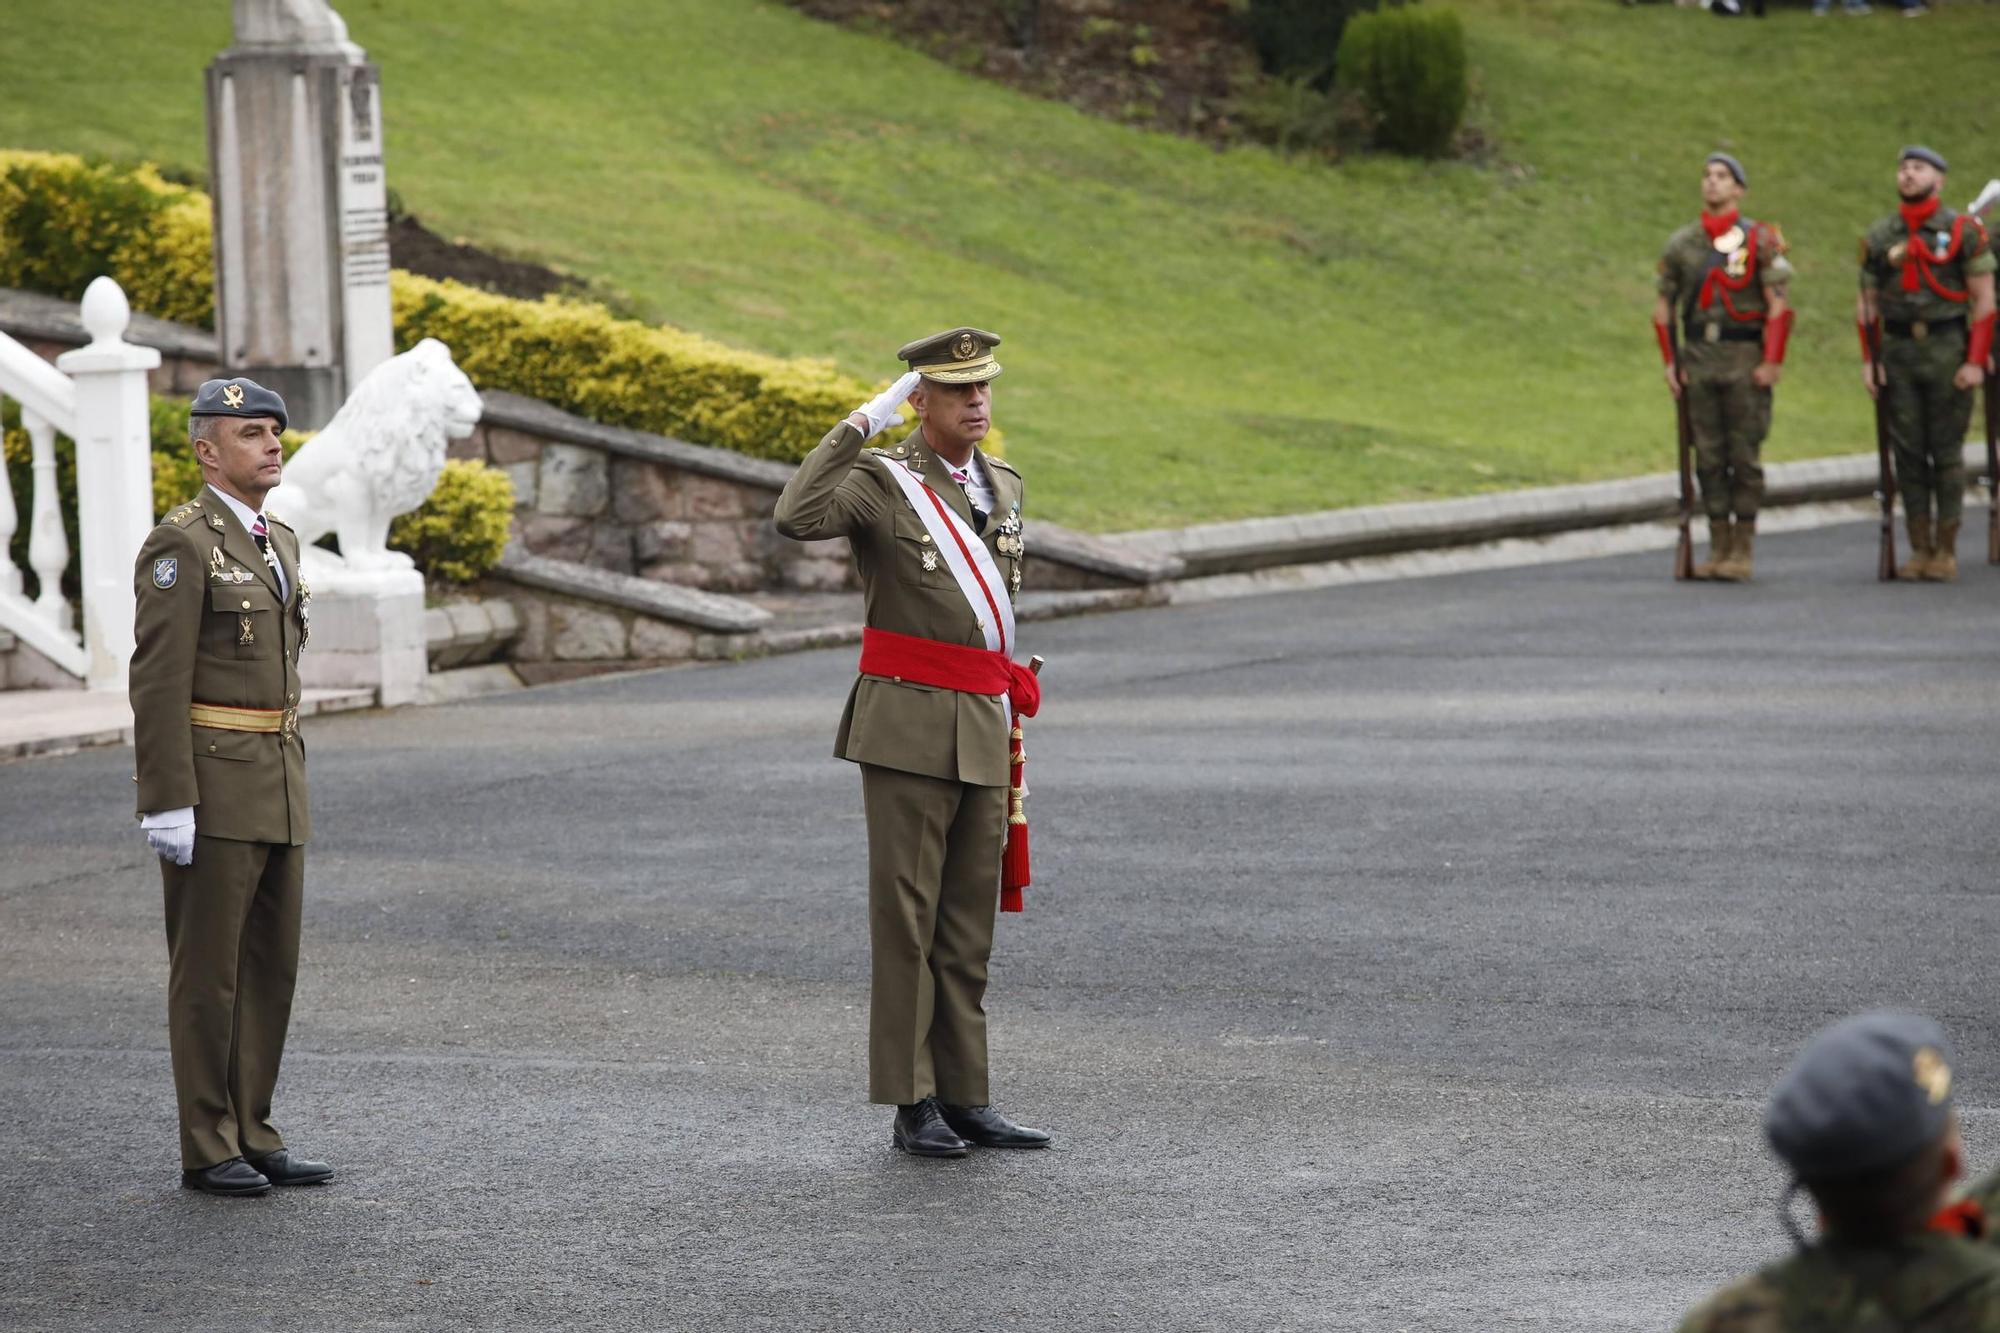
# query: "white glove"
[[879, 413], [170, 833]]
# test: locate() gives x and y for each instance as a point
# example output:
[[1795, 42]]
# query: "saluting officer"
[[935, 526], [1724, 278], [222, 786], [1927, 277]]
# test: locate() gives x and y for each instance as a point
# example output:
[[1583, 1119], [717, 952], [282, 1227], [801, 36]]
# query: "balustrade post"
[[114, 476], [48, 544]]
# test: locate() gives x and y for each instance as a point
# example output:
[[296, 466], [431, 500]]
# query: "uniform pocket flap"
[[216, 743], [242, 598]]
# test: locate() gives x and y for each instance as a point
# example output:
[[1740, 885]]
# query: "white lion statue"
[[379, 457]]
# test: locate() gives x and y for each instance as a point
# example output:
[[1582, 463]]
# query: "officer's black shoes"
[[921, 1131], [285, 1169], [234, 1176], [987, 1128]]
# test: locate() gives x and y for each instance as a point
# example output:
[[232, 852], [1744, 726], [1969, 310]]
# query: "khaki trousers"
[[233, 957], [934, 849]]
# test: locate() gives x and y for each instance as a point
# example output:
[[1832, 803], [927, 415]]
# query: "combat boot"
[[1918, 566], [1742, 550], [1719, 538], [1944, 559]]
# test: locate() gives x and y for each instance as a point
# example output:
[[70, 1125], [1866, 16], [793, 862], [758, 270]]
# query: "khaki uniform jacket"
[[842, 490], [212, 629]]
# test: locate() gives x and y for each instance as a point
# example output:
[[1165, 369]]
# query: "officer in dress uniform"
[[1723, 277], [935, 527], [1927, 299], [1864, 1121], [222, 786]]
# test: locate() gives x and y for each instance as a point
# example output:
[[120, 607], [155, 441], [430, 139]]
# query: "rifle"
[[1684, 551], [1992, 465], [1885, 489]]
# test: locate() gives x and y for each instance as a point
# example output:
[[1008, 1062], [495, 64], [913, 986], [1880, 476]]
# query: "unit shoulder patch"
[[166, 570]]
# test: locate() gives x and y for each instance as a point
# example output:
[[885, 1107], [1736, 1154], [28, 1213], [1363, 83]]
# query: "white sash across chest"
[[971, 564]]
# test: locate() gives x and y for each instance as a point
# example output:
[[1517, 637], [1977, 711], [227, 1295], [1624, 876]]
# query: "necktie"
[[263, 536], [964, 480]]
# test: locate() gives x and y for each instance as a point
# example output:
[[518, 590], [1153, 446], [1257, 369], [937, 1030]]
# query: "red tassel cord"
[[1014, 863]]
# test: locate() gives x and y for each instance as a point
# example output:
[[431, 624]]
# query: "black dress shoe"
[[987, 1128], [285, 1169], [234, 1176], [921, 1132]]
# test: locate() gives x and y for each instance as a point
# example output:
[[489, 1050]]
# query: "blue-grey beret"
[[1923, 154], [237, 398], [1735, 167], [1865, 1094]]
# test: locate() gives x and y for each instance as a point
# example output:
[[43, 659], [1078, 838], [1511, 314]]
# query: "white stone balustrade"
[[96, 395]]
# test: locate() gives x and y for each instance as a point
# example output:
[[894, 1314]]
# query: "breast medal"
[[1730, 241]]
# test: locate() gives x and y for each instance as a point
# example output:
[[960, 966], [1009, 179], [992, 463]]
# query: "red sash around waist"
[[949, 666]]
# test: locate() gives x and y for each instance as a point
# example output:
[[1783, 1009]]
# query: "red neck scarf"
[[1914, 218], [1717, 223]]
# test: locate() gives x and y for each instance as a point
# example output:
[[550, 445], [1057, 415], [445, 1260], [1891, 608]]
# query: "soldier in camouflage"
[[1723, 279], [1927, 301], [1864, 1121]]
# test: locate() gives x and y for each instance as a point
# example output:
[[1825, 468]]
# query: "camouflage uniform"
[[1925, 1283], [1923, 344], [1721, 344]]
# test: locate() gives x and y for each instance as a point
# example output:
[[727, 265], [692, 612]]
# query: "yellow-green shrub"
[[461, 531], [63, 221]]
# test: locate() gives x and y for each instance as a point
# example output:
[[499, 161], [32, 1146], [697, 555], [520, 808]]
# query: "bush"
[[460, 532], [1408, 65], [1300, 39], [63, 221], [577, 355]]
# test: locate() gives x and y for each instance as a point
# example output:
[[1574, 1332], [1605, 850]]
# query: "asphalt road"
[[1405, 956]]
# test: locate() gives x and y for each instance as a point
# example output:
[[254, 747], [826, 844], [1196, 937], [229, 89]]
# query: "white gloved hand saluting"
[[170, 833], [879, 413]]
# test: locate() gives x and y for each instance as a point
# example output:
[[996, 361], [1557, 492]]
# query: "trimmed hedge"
[[63, 221], [1300, 39], [1408, 65]]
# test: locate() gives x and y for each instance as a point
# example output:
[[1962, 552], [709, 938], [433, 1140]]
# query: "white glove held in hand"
[[880, 411], [170, 833]]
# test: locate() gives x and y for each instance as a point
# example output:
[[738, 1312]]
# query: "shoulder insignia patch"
[[183, 516], [165, 570]]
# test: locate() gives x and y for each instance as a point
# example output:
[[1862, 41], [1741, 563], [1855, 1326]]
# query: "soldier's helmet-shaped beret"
[[1864, 1095], [1922, 154], [237, 398]]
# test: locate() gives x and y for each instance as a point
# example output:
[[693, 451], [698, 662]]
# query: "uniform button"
[[246, 605], [211, 749], [924, 537], [897, 679]]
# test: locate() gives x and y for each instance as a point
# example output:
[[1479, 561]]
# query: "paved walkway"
[[1405, 955]]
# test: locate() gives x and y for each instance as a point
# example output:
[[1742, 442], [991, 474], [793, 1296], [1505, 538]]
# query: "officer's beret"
[[237, 398], [1923, 154], [956, 356], [1735, 167], [1864, 1095]]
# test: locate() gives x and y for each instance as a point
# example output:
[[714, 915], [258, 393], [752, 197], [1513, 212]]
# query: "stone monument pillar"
[[301, 206]]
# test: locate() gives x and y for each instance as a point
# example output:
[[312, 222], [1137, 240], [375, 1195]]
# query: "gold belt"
[[240, 719]]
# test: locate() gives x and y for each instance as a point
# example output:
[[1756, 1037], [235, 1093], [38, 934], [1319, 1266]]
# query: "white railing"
[[96, 395]]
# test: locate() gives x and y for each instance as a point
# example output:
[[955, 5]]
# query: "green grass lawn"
[[1189, 335]]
